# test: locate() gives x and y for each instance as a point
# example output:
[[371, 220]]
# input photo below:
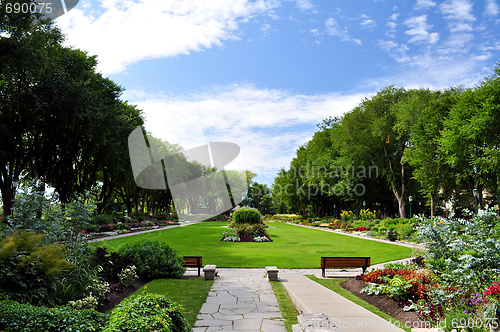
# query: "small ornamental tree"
[[247, 216]]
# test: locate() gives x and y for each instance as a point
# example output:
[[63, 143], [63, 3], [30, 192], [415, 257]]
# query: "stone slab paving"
[[240, 300]]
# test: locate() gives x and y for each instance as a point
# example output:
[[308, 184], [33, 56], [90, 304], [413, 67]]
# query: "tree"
[[369, 138], [26, 53], [422, 114], [470, 139]]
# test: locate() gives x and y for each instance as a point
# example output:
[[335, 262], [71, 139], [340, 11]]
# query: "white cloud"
[[459, 13], [418, 30], [396, 51], [491, 8], [424, 4], [332, 28], [460, 10], [304, 5], [126, 32], [367, 22], [268, 124]]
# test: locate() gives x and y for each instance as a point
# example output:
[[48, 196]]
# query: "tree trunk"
[[401, 202], [432, 205]]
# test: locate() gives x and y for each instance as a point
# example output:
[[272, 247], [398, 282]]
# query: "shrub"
[[25, 317], [244, 230], [405, 230], [259, 230], [102, 219], [392, 236], [73, 282], [127, 276], [147, 312], [154, 259], [111, 263], [246, 216], [28, 269], [138, 216], [161, 216]]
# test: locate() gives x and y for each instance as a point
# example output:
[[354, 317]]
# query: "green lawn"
[[191, 293], [293, 246], [286, 305]]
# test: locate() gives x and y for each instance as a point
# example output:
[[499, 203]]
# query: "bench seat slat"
[[193, 261], [344, 262]]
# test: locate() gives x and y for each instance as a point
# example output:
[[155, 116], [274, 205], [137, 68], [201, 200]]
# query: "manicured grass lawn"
[[293, 246], [334, 285], [191, 293], [286, 305]]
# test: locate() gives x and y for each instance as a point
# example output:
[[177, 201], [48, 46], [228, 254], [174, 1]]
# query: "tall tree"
[[369, 137], [422, 114]]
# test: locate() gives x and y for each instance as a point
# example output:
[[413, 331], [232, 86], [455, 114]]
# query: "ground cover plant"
[[293, 247]]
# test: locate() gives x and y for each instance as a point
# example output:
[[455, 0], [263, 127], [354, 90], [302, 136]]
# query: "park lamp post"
[[335, 210], [364, 205], [410, 198], [476, 193]]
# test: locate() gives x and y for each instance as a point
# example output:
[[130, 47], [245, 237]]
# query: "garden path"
[[240, 300]]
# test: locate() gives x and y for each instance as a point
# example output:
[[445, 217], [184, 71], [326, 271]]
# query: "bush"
[[28, 269], [138, 216], [392, 236], [247, 216], [111, 263], [73, 282], [244, 230], [25, 317], [154, 259], [259, 230], [161, 216], [127, 276], [147, 312], [102, 219]]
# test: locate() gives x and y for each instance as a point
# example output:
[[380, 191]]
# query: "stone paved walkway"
[[240, 300]]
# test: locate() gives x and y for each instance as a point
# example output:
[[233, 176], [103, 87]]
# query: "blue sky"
[[263, 73]]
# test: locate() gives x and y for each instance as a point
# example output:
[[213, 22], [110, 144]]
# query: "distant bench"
[[344, 262], [193, 261]]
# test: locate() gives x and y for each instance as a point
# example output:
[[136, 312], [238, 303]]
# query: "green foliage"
[[154, 259], [110, 263], [366, 214], [396, 287], [73, 282], [128, 276], [18, 317], [147, 312], [102, 219], [246, 216], [450, 244], [28, 269]]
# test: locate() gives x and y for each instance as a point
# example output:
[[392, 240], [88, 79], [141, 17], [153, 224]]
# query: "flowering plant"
[[128, 276], [492, 294]]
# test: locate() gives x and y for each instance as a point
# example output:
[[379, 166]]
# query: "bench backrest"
[[193, 261], [363, 262]]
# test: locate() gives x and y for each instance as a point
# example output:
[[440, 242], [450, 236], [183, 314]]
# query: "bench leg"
[[323, 272]]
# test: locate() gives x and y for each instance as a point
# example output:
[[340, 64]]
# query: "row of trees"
[[435, 146]]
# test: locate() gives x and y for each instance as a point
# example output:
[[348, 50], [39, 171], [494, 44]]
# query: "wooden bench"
[[193, 261], [344, 262]]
